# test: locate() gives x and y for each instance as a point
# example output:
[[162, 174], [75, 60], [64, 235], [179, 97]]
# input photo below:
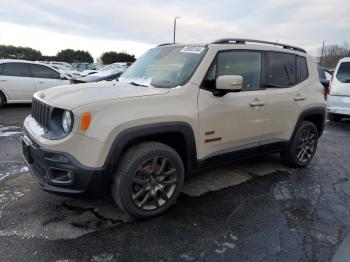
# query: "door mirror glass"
[[229, 82]]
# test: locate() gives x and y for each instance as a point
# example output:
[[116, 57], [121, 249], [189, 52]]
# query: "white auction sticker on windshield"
[[192, 49]]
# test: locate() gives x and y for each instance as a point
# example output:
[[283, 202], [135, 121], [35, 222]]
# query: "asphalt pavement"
[[254, 210]]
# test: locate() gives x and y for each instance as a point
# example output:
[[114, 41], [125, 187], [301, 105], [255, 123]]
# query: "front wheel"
[[148, 180], [302, 147]]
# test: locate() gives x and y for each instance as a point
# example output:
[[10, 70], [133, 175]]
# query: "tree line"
[[66, 55], [332, 54]]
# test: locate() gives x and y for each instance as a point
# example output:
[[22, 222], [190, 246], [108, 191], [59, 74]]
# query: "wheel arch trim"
[[143, 131], [313, 111]]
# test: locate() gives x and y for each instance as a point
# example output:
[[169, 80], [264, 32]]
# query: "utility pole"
[[322, 52], [177, 17]]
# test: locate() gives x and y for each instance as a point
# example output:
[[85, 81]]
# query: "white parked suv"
[[19, 80], [339, 96], [179, 108]]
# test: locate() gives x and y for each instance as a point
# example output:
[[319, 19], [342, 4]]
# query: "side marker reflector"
[[85, 121]]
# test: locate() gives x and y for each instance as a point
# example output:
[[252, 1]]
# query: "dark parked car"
[[325, 76]]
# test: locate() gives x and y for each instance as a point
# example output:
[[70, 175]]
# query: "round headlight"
[[66, 121]]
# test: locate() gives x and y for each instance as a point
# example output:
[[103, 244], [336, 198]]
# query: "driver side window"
[[244, 63]]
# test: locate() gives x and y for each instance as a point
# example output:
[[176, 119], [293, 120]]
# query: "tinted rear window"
[[343, 73], [1, 68], [16, 69], [281, 70]]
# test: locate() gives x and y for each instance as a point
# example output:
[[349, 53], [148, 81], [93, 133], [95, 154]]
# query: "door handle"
[[257, 102], [299, 97], [40, 82], [3, 80]]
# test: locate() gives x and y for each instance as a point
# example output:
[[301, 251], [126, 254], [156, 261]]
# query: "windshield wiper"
[[136, 84]]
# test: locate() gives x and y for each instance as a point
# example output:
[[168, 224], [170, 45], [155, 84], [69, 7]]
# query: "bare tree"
[[332, 54]]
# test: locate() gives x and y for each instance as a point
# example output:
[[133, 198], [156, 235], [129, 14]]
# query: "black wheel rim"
[[307, 145], [154, 183]]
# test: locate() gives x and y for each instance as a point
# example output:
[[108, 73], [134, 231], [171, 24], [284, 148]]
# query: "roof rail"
[[243, 41]]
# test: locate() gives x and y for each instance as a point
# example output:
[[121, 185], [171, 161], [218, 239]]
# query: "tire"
[[334, 117], [148, 173], [303, 146], [2, 99]]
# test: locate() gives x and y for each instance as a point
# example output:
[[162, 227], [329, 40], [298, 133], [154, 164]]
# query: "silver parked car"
[[339, 97]]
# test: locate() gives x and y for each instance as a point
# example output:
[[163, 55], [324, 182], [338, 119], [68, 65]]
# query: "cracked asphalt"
[[254, 210]]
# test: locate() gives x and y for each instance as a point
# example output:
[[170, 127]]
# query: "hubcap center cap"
[[153, 181]]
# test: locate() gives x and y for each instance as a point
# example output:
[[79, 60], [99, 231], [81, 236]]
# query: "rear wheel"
[[302, 147], [2, 99], [334, 117], [148, 180]]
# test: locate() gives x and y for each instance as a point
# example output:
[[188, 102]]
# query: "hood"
[[72, 96]]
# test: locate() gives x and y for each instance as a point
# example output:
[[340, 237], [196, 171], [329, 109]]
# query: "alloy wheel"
[[307, 145], [154, 183]]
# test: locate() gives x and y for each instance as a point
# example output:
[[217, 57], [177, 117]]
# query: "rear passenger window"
[[40, 71], [302, 72], [16, 69], [281, 69], [1, 68]]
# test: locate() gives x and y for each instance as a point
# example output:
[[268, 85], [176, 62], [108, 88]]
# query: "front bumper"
[[61, 173]]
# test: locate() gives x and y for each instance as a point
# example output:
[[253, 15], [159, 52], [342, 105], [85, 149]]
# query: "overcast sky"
[[134, 26]]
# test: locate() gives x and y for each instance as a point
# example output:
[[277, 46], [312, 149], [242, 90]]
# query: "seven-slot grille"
[[40, 112]]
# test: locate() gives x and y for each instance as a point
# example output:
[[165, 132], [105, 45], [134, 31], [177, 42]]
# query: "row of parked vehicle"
[[19, 79], [81, 71]]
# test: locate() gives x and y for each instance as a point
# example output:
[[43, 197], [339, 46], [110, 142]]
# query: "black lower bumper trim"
[[87, 181]]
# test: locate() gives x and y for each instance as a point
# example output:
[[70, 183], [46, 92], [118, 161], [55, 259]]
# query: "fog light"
[[60, 176]]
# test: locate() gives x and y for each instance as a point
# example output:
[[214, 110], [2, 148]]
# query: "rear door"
[[17, 82], [45, 77], [286, 87]]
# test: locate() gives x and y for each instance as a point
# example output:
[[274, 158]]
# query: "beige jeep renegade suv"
[[177, 109]]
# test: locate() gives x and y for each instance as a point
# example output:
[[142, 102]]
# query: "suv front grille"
[[40, 112]]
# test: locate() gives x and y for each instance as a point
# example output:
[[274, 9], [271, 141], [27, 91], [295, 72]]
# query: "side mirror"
[[231, 83], [64, 77], [325, 83]]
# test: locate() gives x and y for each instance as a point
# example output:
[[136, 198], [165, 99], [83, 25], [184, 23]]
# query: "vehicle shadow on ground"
[[50, 216]]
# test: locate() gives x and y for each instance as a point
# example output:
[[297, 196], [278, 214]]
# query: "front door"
[[236, 120], [45, 77]]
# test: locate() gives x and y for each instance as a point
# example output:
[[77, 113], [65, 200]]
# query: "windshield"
[[343, 73], [165, 66]]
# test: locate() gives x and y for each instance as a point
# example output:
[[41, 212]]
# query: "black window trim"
[[296, 67], [262, 69], [2, 66]]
